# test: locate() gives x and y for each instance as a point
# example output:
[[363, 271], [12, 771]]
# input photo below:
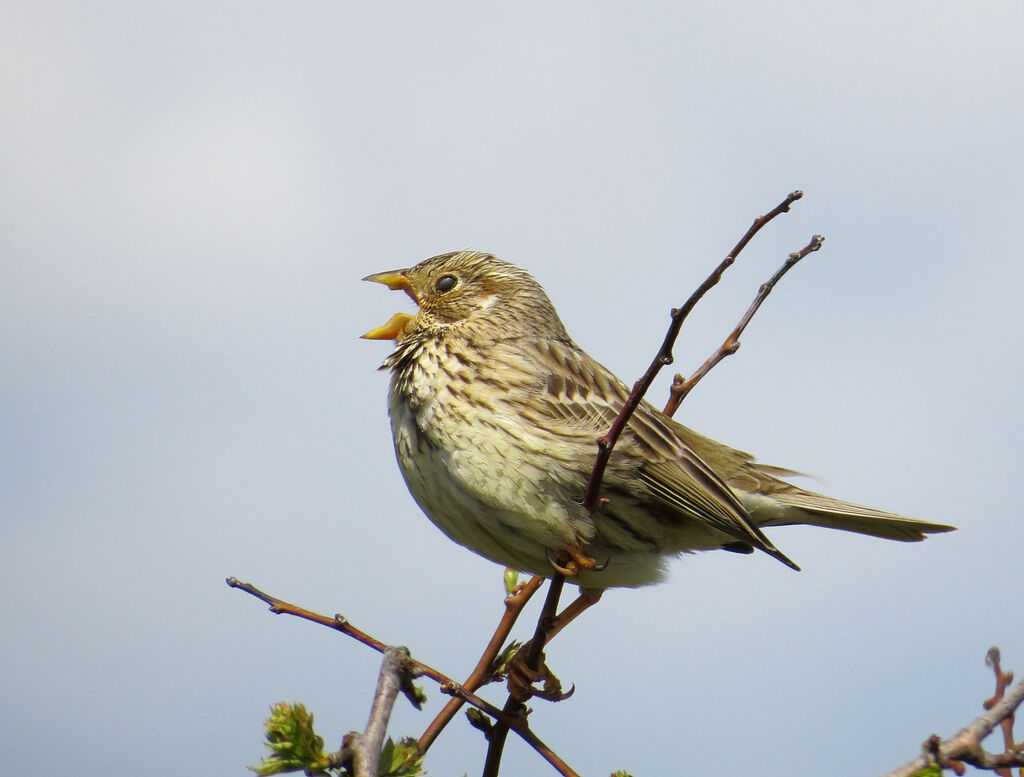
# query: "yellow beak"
[[392, 330], [394, 280]]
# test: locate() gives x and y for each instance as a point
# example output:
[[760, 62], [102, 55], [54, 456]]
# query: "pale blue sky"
[[188, 198]]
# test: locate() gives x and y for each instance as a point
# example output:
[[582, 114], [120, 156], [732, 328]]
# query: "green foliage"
[[400, 759], [929, 771], [478, 720], [414, 693], [295, 747], [293, 744], [500, 664], [622, 773]]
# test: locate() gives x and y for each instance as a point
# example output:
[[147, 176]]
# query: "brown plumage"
[[495, 412]]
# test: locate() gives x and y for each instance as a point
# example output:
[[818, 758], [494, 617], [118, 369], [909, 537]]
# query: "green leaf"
[[929, 771], [400, 759], [293, 744], [501, 660]]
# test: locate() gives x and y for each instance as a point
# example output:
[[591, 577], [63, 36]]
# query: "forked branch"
[[680, 387], [664, 356]]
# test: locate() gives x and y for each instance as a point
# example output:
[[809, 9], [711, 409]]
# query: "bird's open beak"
[[392, 330]]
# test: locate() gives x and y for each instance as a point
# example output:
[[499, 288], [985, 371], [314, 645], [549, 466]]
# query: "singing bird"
[[495, 412]]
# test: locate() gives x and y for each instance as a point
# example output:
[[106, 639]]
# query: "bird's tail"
[[796, 506], [772, 501]]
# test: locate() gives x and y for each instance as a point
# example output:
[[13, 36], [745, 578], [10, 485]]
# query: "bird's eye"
[[446, 283]]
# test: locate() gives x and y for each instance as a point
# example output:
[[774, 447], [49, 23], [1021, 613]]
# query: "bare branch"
[[680, 387]]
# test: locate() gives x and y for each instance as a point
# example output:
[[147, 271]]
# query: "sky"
[[189, 196]]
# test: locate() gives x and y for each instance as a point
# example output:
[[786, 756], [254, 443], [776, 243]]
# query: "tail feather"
[[804, 507]]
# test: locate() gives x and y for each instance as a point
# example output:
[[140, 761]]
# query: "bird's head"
[[469, 294]]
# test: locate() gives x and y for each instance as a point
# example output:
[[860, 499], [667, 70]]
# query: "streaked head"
[[471, 293]]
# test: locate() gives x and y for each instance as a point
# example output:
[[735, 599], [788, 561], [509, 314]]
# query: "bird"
[[495, 413]]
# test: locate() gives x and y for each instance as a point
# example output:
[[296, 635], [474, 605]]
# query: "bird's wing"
[[578, 396]]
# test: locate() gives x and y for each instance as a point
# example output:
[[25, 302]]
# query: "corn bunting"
[[495, 412]]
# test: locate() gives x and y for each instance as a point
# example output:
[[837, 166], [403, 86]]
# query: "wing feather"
[[579, 396]]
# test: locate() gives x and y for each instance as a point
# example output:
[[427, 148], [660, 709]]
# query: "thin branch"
[[966, 745], [338, 623], [483, 671], [664, 355], [681, 388]]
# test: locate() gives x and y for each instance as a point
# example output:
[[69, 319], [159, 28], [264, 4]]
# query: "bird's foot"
[[572, 560]]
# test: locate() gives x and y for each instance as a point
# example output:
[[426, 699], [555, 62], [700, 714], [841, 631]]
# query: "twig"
[[680, 387], [1003, 680], [338, 623], [966, 745], [664, 355], [483, 671], [365, 748]]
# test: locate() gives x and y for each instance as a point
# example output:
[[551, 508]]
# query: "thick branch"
[[664, 355], [966, 745], [365, 747], [681, 388]]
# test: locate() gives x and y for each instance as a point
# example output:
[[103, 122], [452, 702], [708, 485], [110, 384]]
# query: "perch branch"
[[680, 387]]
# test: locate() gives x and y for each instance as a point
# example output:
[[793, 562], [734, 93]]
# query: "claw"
[[568, 568], [553, 695], [576, 562]]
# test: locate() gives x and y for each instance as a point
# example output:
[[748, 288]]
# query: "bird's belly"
[[511, 498], [476, 487]]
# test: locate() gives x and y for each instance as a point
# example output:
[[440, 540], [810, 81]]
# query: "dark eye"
[[446, 283]]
